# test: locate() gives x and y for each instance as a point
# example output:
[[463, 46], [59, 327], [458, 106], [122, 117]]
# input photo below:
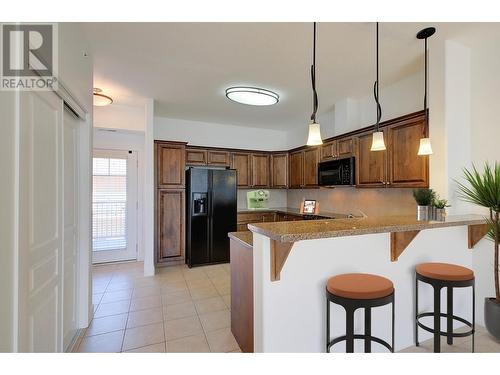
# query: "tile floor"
[[177, 310], [484, 343]]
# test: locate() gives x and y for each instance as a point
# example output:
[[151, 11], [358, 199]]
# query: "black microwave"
[[336, 172]]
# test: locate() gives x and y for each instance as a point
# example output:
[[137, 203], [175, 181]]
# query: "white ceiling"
[[186, 67]]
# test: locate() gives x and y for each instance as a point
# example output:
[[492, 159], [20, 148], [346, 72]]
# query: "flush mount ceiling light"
[[314, 136], [252, 95], [101, 100], [378, 143], [425, 142]]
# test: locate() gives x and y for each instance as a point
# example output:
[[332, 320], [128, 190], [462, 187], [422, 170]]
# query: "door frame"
[[109, 256]]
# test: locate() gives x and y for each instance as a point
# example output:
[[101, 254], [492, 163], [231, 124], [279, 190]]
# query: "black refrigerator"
[[211, 196]]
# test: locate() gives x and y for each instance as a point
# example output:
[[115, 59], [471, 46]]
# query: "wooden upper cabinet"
[[196, 156], [296, 169], [218, 158], [370, 165], [406, 168], [260, 170], [241, 162], [329, 150], [170, 225], [311, 160], [345, 147], [171, 165], [279, 170]]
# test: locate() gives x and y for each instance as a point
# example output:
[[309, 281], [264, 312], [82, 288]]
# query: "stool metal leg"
[[473, 314], [449, 318], [437, 319], [416, 312], [368, 329], [327, 325], [393, 317], [349, 330]]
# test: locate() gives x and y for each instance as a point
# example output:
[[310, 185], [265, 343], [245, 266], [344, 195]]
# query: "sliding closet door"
[[40, 222], [70, 256]]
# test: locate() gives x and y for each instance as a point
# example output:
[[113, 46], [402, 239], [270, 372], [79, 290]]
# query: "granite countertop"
[[291, 211], [292, 231], [246, 237]]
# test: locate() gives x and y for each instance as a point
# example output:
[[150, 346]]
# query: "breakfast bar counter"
[[293, 260]]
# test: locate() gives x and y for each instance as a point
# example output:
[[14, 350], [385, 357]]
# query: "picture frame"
[[309, 207]]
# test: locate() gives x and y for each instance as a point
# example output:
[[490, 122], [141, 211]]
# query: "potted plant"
[[484, 190], [440, 208], [424, 199]]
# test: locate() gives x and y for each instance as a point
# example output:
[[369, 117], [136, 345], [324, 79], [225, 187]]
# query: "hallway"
[[177, 310]]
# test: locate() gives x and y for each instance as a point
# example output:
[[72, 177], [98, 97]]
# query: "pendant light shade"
[[378, 143], [425, 147], [314, 137]]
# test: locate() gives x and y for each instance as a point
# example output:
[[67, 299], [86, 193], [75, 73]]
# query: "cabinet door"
[[196, 157], [260, 170], [329, 150], [311, 160], [170, 222], [279, 170], [296, 169], [370, 165], [218, 158], [344, 147], [241, 162], [406, 168], [171, 165]]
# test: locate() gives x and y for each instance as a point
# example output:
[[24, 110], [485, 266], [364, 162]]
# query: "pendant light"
[[314, 137], [378, 143], [425, 143]]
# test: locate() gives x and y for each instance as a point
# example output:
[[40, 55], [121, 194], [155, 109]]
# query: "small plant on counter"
[[483, 189], [440, 203], [424, 197]]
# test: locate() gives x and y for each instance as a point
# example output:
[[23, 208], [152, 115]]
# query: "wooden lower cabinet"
[[170, 237], [242, 294]]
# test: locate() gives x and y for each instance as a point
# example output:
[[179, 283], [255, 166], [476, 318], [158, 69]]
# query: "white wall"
[[218, 135], [127, 140], [119, 116]]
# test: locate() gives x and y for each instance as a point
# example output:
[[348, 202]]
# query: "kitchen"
[[293, 200], [341, 174]]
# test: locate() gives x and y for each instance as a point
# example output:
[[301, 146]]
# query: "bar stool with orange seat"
[[449, 276], [353, 291]]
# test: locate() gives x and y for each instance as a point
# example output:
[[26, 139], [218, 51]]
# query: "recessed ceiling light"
[[100, 100], [252, 95]]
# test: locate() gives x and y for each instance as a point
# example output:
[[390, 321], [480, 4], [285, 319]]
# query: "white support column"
[[148, 220]]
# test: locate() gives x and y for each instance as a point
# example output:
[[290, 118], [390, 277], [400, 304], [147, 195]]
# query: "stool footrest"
[[360, 337], [442, 333]]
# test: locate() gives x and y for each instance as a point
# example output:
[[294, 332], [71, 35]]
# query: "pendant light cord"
[[425, 83], [313, 78], [375, 90]]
